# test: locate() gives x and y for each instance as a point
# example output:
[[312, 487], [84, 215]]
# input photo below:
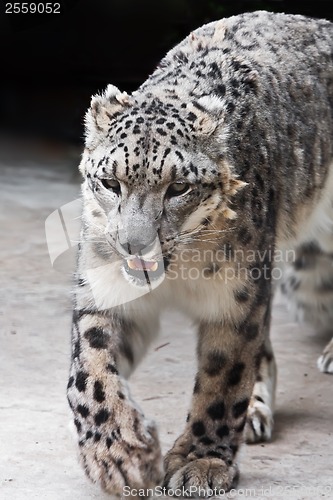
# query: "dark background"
[[50, 64]]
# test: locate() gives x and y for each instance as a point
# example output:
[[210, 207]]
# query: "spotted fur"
[[221, 158]]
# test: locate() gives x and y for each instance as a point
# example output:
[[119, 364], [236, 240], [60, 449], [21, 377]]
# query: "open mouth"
[[142, 270]]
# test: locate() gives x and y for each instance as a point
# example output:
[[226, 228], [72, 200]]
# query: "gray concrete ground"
[[37, 455]]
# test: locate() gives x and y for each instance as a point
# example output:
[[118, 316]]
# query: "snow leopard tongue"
[[138, 264]]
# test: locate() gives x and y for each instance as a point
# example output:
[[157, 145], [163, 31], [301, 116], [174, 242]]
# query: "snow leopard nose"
[[135, 247], [138, 226]]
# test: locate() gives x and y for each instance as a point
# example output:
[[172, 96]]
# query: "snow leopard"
[[192, 183]]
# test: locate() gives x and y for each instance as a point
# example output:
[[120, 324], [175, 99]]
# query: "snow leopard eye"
[[177, 189], [112, 185]]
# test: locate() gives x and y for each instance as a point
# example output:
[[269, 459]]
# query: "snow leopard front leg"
[[117, 446], [259, 422], [229, 357]]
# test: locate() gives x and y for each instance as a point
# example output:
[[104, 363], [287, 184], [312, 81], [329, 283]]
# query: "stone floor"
[[37, 455]]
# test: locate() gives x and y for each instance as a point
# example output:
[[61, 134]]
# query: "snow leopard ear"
[[102, 109], [208, 111]]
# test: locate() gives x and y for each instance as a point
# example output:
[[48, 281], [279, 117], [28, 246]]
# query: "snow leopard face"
[[151, 188]]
